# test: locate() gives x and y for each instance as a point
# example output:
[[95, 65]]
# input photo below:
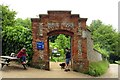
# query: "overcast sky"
[[105, 10]]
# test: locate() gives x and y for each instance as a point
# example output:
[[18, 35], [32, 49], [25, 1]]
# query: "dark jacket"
[[68, 54]]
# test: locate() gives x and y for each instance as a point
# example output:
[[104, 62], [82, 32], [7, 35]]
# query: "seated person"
[[22, 55]]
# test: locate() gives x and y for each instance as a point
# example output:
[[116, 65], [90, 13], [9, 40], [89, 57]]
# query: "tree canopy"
[[105, 37], [7, 16], [25, 23]]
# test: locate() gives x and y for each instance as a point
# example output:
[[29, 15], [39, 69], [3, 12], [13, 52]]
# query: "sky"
[[104, 10]]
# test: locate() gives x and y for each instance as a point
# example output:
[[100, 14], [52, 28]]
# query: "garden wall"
[[92, 54]]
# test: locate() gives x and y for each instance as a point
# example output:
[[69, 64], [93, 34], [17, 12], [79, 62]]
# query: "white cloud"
[[105, 10]]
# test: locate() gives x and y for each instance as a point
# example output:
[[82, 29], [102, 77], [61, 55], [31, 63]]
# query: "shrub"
[[98, 68], [15, 38]]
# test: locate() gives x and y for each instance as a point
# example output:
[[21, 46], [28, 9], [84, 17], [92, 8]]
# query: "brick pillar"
[[84, 62], [35, 23], [46, 53]]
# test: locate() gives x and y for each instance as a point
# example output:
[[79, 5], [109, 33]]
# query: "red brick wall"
[[59, 19]]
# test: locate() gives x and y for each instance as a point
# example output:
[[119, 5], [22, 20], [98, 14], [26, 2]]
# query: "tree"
[[118, 46], [0, 17], [25, 23], [105, 36], [8, 16], [63, 41], [60, 42], [95, 24]]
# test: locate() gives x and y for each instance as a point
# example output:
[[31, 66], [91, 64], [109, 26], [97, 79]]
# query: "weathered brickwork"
[[60, 22]]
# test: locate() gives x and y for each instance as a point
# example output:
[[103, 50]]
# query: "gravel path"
[[16, 71]]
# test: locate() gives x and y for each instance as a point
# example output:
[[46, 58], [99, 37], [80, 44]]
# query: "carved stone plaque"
[[67, 24], [53, 25]]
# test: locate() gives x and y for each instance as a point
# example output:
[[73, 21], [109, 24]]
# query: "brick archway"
[[57, 32], [60, 22]]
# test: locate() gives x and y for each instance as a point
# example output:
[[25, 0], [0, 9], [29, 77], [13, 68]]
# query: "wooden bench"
[[6, 61]]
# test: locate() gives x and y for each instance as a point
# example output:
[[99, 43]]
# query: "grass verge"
[[98, 68]]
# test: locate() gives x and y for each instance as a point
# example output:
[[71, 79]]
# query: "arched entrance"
[[60, 22], [65, 32]]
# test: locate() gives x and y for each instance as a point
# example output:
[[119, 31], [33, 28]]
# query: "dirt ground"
[[17, 71]]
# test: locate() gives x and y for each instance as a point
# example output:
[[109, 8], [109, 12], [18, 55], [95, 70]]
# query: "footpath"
[[16, 71]]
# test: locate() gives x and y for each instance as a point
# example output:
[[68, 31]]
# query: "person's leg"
[[24, 61], [67, 63], [23, 58]]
